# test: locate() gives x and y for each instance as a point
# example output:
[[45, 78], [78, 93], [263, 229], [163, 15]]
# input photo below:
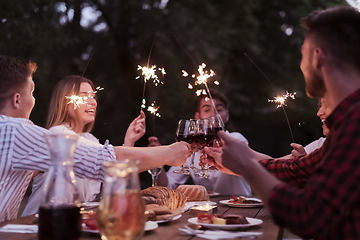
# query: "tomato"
[[91, 222]]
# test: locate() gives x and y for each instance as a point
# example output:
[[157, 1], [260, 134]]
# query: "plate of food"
[[242, 202], [226, 222], [149, 225], [212, 194]]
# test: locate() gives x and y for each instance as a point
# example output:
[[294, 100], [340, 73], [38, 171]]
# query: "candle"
[[203, 209]]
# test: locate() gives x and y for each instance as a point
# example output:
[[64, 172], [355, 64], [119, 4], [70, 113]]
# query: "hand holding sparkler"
[[135, 130]]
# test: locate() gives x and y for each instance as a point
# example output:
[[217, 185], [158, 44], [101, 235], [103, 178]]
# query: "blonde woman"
[[67, 118]]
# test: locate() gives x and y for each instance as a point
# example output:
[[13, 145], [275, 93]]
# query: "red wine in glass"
[[186, 138]]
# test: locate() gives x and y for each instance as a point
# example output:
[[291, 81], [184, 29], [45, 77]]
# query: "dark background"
[[184, 34]]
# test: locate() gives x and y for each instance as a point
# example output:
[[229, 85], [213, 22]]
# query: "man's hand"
[[235, 154], [212, 157], [135, 130]]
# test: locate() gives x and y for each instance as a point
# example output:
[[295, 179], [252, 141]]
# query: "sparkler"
[[79, 100], [202, 78], [150, 73], [280, 99], [153, 109]]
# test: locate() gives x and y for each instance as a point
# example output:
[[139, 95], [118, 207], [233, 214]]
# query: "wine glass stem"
[[192, 159], [154, 180]]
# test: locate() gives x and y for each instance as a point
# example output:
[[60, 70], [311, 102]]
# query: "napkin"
[[19, 228], [213, 234]]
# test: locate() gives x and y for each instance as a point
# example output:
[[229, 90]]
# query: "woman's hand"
[[135, 130], [297, 151]]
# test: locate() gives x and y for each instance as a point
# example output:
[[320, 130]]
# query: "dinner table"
[[171, 229]]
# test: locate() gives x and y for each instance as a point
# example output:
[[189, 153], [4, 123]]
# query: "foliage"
[[180, 36]]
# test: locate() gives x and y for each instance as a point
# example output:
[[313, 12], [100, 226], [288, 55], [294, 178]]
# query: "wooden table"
[[170, 230]]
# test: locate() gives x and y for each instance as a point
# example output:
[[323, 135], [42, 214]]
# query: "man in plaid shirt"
[[316, 195]]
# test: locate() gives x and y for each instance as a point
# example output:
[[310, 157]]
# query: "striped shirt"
[[23, 149]]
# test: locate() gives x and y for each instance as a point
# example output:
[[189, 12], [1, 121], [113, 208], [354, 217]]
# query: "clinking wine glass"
[[207, 136], [191, 135], [202, 139], [182, 131], [154, 175]]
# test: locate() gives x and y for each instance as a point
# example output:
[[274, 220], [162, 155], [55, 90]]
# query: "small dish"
[[212, 194], [168, 220], [252, 222], [260, 204]]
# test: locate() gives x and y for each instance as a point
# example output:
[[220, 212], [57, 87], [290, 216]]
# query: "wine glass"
[[191, 135], [182, 135], [154, 175], [209, 127], [203, 138]]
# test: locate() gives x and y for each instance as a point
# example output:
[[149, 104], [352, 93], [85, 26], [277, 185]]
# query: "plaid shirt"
[[323, 199]]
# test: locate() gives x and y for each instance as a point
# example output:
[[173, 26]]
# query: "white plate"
[[243, 204], [168, 220], [252, 222], [149, 225], [212, 194]]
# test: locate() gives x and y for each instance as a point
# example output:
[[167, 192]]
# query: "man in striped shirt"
[[23, 148]]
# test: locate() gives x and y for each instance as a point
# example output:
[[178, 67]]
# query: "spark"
[[280, 100], [150, 73], [76, 100], [79, 100], [203, 76], [154, 109], [143, 104], [98, 88], [200, 91]]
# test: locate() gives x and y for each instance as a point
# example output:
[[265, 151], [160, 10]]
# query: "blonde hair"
[[58, 109]]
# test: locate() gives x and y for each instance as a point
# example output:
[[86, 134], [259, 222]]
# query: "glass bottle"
[[121, 211], [59, 212]]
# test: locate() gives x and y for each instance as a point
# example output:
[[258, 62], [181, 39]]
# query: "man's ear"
[[15, 100], [197, 115], [318, 57]]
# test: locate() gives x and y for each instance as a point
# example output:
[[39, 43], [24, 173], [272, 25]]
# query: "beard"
[[315, 86]]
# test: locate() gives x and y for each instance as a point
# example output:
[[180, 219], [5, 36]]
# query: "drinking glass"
[[207, 136], [203, 137], [182, 131], [154, 175], [121, 210], [191, 135]]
